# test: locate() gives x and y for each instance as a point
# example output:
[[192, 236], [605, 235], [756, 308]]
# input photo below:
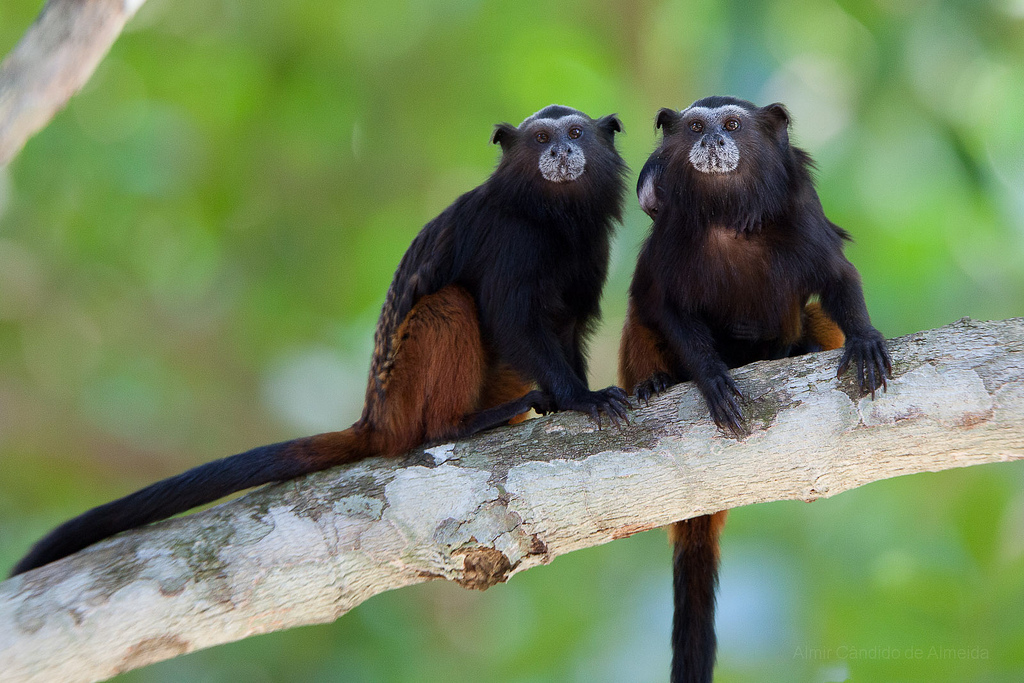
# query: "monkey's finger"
[[844, 363], [731, 383], [871, 378], [884, 360], [732, 424], [879, 360], [613, 416], [617, 409]]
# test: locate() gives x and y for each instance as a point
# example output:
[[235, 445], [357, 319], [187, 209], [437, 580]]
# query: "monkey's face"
[[558, 143], [711, 132], [721, 152]]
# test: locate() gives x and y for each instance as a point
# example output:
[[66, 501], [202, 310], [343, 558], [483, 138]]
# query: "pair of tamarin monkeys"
[[491, 306]]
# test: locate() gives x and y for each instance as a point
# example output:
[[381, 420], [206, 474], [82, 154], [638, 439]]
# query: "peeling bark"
[[52, 61], [480, 510]]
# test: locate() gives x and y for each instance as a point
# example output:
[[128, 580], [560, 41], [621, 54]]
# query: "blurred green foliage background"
[[193, 255]]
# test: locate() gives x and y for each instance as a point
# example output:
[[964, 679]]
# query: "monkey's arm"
[[532, 347], [690, 339], [576, 352], [843, 300]]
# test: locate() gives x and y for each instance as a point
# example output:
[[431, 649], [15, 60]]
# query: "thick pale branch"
[[478, 511], [52, 61]]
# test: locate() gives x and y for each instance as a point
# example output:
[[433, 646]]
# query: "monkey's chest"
[[738, 281], [734, 262]]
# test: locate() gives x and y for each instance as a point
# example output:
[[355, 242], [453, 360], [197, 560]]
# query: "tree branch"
[[478, 511], [52, 61]]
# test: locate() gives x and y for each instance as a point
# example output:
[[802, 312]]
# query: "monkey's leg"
[[820, 332], [643, 365], [506, 399], [512, 412], [436, 376]]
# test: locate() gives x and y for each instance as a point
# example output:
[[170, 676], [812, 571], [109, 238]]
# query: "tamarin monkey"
[[496, 295], [738, 247]]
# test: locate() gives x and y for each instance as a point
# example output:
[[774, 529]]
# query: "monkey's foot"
[[871, 358], [655, 384], [541, 401], [612, 401]]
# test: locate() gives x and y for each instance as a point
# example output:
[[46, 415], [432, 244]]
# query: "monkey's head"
[[719, 147], [561, 147]]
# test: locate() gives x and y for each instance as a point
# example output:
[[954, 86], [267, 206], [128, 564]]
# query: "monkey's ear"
[[666, 119], [777, 113], [610, 124], [778, 117], [504, 134]]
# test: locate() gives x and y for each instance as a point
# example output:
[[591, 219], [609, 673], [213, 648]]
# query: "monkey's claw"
[[871, 359]]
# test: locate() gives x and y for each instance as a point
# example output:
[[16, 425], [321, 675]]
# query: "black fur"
[[722, 281], [532, 253]]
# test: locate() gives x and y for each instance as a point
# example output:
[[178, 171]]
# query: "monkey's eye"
[[696, 126], [575, 132], [541, 137], [732, 124]]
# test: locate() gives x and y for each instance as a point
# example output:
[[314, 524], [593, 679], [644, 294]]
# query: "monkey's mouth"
[[561, 168], [712, 158]]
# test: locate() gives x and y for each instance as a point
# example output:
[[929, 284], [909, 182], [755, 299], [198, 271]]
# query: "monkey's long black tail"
[[695, 580], [199, 485]]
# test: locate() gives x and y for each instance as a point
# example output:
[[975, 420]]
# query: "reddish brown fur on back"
[[425, 393]]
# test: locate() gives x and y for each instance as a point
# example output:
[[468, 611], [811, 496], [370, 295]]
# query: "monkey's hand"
[[871, 357], [721, 394], [655, 384], [611, 401]]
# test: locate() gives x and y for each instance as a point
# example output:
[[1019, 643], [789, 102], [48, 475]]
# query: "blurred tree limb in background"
[[52, 62], [478, 511]]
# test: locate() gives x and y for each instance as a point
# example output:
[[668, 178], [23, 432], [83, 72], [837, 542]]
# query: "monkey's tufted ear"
[[610, 124], [666, 119], [504, 134], [778, 116]]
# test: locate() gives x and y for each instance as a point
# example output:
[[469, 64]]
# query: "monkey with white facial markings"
[[738, 247], [495, 296]]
